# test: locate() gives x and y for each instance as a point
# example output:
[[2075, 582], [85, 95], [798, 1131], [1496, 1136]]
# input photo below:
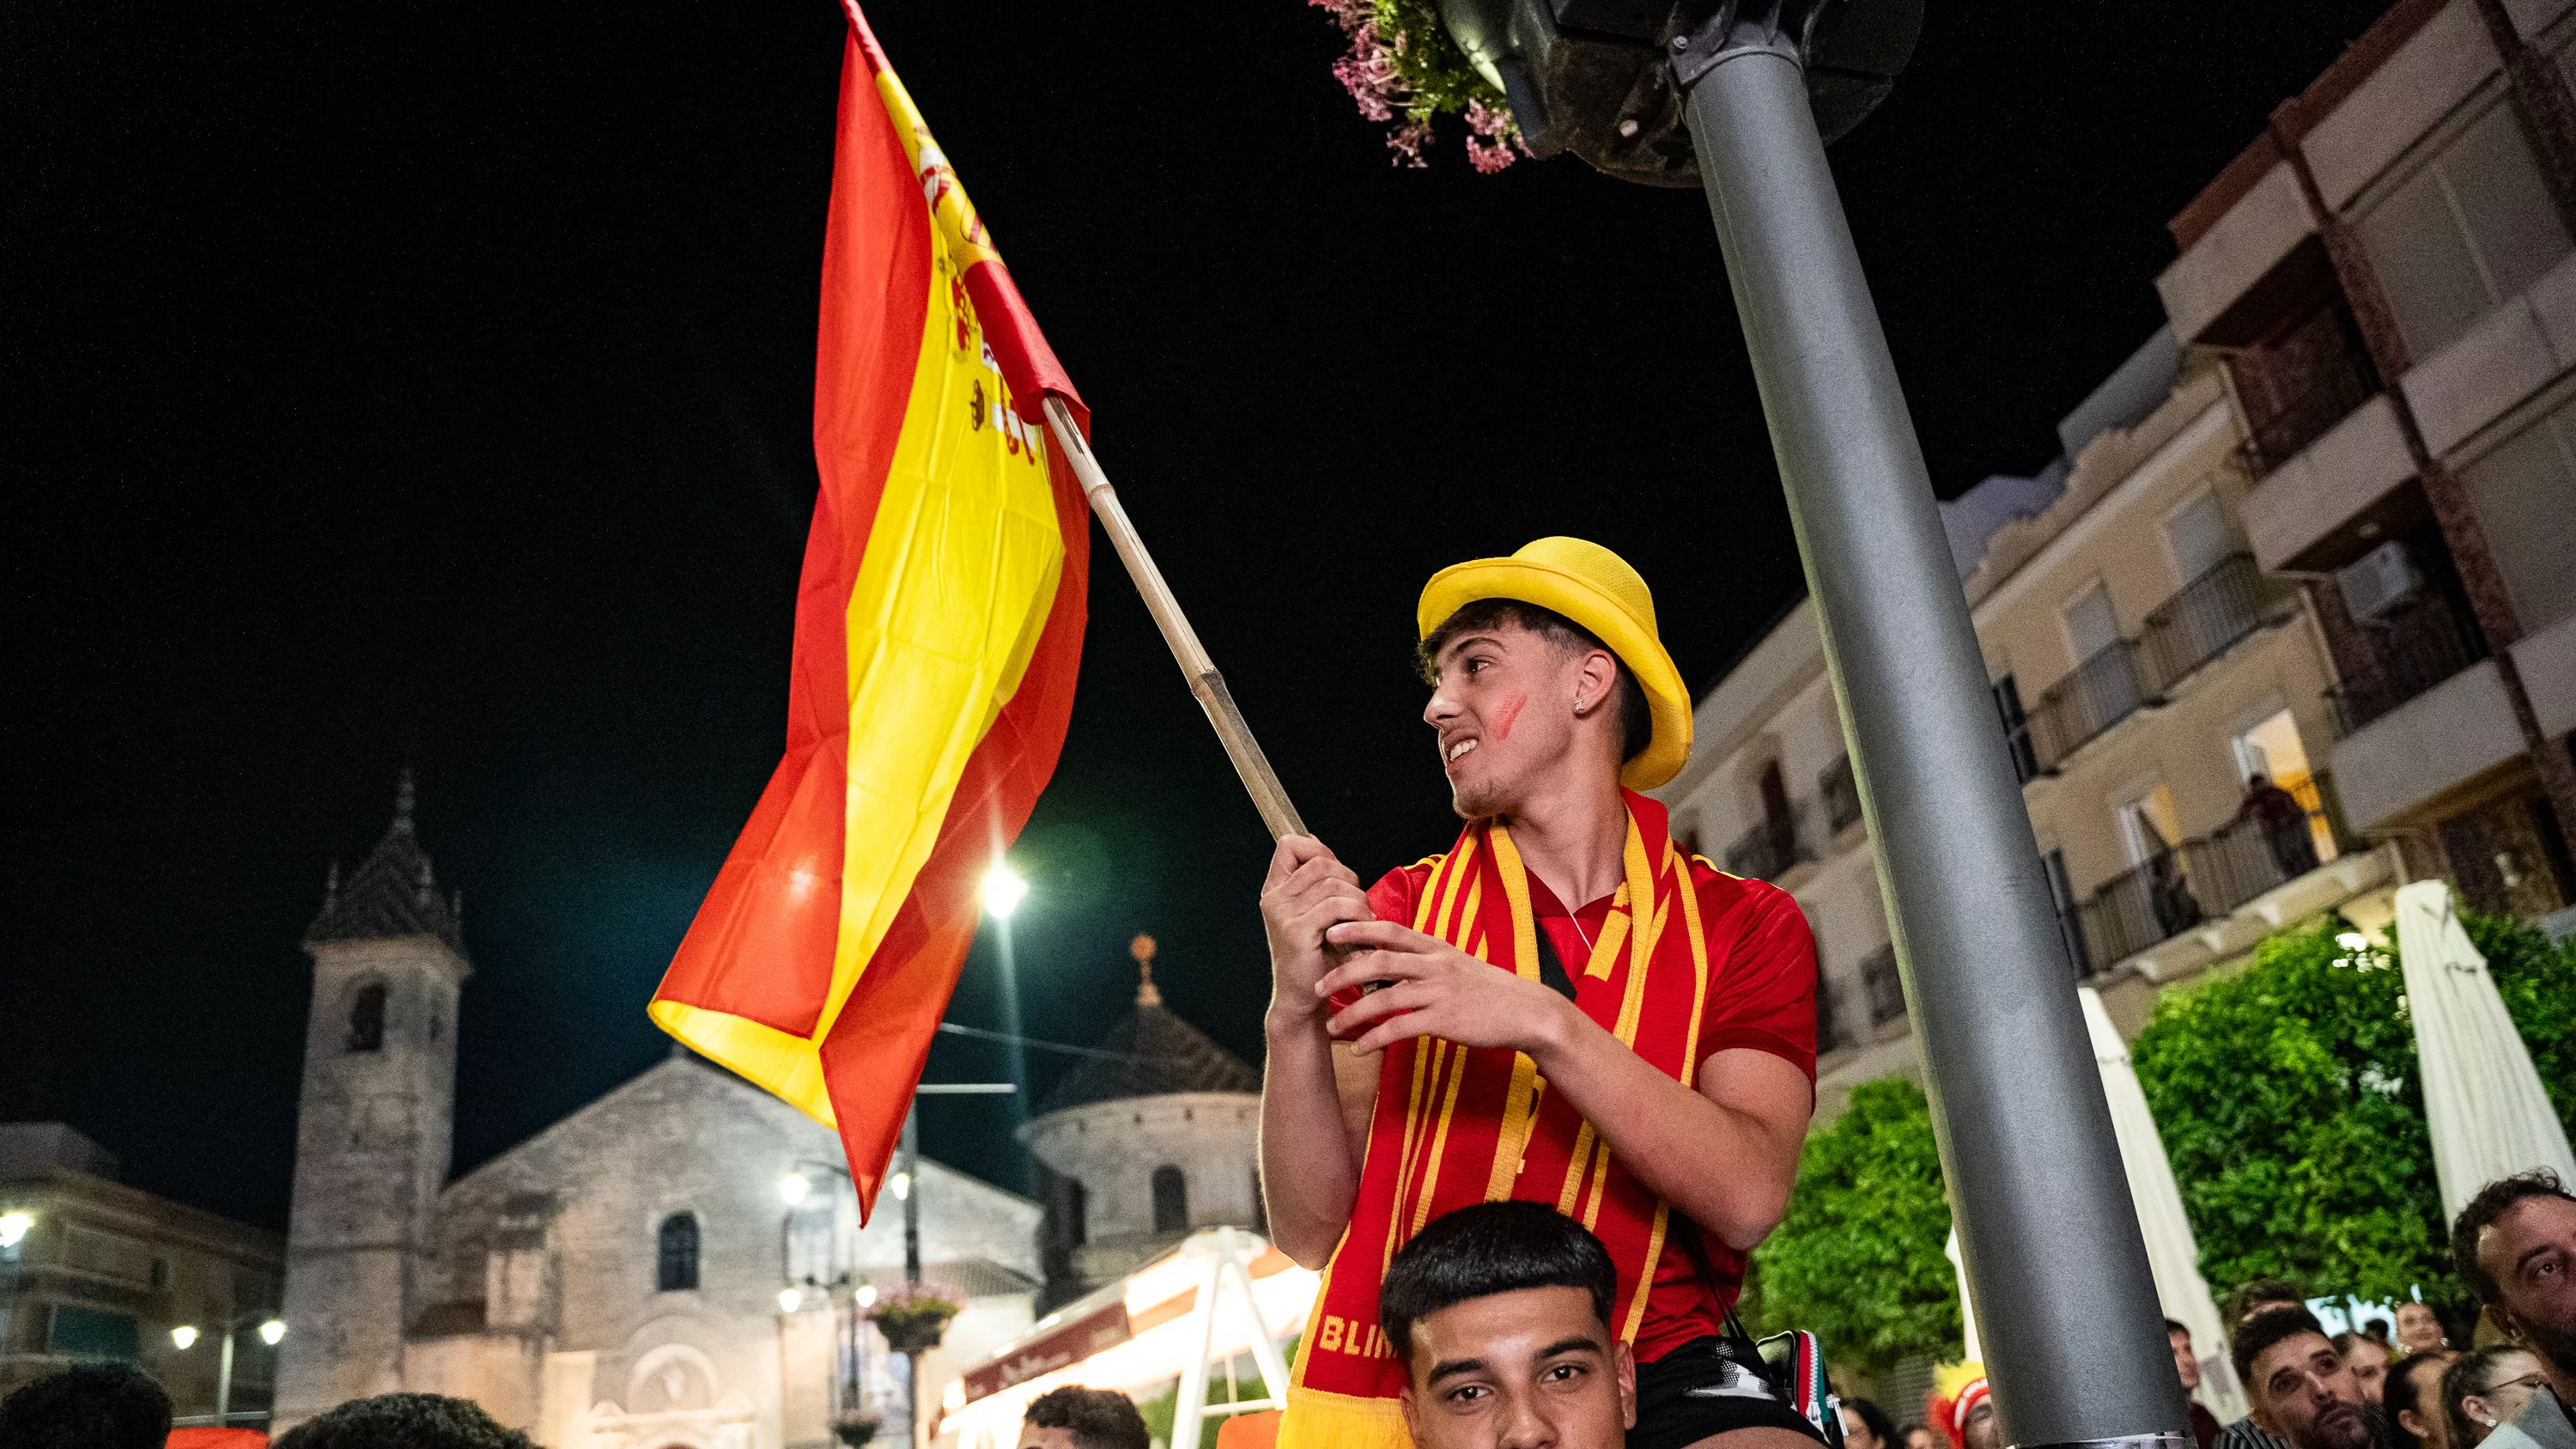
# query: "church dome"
[[1152, 1053]]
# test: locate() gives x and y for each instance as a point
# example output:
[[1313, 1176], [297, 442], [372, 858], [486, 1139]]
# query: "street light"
[[272, 1331], [793, 1187], [13, 1228], [1003, 890], [790, 1299]]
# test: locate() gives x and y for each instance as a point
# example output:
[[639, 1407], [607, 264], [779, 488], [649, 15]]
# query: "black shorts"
[[1698, 1390]]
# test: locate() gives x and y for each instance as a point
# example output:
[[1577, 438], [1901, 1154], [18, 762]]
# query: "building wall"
[[137, 1265], [1114, 1148], [372, 1140]]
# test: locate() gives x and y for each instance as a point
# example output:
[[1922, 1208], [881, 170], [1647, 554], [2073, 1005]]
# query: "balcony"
[[2202, 880], [2209, 616], [2101, 692], [2297, 389], [1841, 794], [1766, 851], [2418, 649], [1885, 990]]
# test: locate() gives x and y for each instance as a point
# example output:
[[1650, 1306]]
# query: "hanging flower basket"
[[1403, 69], [913, 1319], [857, 1430]]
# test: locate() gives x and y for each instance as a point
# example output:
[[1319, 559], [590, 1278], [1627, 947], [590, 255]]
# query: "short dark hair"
[[2176, 1325], [1875, 1419], [2490, 1204], [2261, 1332], [1096, 1418], [2404, 1391], [1636, 721], [1490, 1248], [93, 1406], [404, 1421], [2262, 1293]]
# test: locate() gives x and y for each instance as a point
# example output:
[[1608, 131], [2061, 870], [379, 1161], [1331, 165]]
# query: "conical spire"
[[393, 893], [1151, 1053]]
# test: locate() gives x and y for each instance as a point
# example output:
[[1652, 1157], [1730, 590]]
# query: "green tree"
[[1858, 1258], [2293, 1113]]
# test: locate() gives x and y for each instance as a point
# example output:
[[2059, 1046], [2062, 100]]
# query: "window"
[[2091, 627], [2016, 728], [1171, 1200], [367, 1018], [2199, 536], [2472, 227], [2148, 825], [2273, 750], [2525, 495], [92, 1333], [675, 1268]]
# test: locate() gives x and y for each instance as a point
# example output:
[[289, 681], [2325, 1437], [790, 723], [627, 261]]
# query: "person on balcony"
[[2284, 823]]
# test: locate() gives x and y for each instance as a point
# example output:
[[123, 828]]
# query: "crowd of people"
[[1502, 1318]]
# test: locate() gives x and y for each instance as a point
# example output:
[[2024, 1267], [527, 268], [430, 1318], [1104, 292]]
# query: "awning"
[[1142, 1332]]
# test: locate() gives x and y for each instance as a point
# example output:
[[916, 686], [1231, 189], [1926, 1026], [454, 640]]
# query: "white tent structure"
[[2172, 1253], [2483, 1102]]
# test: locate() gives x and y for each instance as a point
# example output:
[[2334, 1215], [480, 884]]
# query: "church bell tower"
[[374, 1124]]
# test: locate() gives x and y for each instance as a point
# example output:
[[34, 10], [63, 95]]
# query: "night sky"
[[398, 382]]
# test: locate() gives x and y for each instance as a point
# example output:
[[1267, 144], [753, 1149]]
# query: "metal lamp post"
[[1739, 98], [272, 1331]]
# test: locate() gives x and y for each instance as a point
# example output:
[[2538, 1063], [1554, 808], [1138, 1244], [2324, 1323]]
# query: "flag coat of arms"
[[939, 623]]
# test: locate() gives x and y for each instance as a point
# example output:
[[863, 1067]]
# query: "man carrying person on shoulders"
[[1565, 1009]]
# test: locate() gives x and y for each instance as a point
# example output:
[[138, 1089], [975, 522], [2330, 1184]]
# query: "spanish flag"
[[938, 626]]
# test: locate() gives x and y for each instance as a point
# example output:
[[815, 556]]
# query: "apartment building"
[[92, 1270], [2145, 673], [2390, 273]]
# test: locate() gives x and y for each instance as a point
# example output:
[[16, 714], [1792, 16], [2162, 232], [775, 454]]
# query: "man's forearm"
[[1308, 1178], [1723, 1168]]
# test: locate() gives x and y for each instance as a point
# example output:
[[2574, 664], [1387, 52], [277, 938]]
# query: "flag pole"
[[1268, 796]]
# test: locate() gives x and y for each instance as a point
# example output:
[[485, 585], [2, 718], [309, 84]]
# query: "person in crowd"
[[1500, 1316], [2369, 1360], [1919, 1436], [2413, 1400], [1079, 1418], [2284, 823], [2419, 1329], [2514, 1245], [1866, 1426], [403, 1421], [94, 1406], [2303, 1392], [1963, 1407], [2261, 1295], [2486, 1389], [1589, 1067], [2376, 1330], [2204, 1424]]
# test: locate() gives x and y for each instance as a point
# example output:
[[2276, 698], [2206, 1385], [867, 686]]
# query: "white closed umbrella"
[[2483, 1102], [2172, 1252], [1967, 1305]]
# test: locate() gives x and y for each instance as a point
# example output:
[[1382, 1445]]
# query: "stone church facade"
[[615, 1281]]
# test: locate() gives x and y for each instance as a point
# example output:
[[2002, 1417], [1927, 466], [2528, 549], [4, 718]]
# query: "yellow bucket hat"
[[1597, 589]]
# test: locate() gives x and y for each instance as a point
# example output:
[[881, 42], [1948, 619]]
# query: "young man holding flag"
[[1565, 1008]]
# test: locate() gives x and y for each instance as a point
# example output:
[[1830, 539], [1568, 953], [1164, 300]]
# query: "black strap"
[[1551, 971]]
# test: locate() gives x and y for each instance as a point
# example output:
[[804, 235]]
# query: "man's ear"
[[1623, 1362], [1412, 1420], [2500, 1318], [1595, 678]]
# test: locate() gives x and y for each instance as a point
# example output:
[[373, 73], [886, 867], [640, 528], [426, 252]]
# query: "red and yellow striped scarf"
[[1457, 1125]]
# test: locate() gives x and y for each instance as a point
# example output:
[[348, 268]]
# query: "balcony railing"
[[1841, 795], [2209, 616], [2102, 691], [2200, 880], [2301, 386], [1879, 981], [2409, 654], [1766, 851], [2331, 395]]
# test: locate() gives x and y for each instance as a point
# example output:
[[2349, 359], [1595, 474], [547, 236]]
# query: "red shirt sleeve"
[[1763, 961]]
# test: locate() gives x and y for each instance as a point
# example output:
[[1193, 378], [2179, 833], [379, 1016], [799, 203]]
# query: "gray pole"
[[911, 1195], [2065, 1303], [224, 1379]]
